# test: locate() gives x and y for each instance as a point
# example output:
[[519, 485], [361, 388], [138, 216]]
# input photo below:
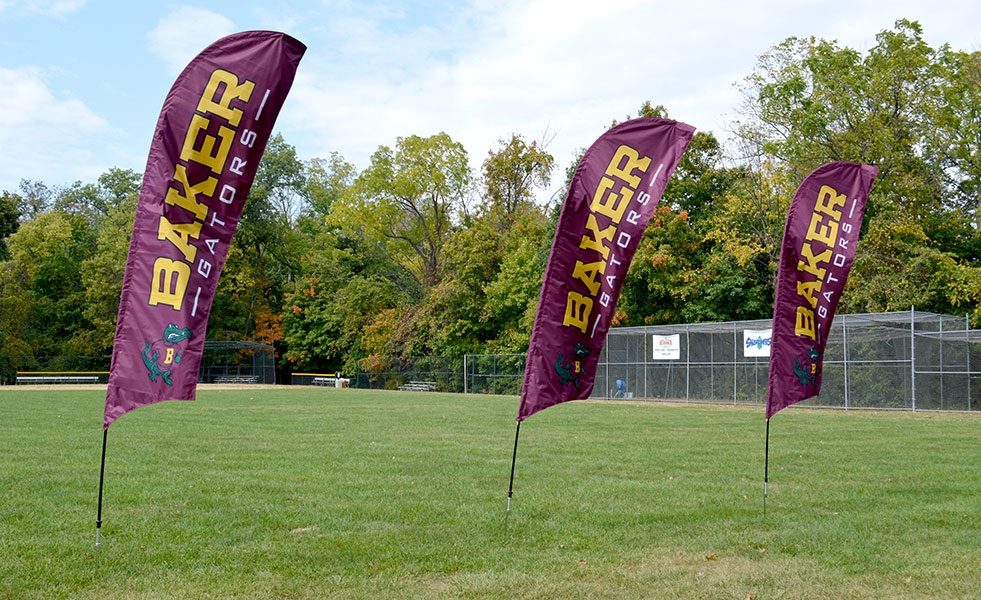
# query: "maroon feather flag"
[[819, 242], [204, 155], [205, 151], [612, 197], [818, 248]]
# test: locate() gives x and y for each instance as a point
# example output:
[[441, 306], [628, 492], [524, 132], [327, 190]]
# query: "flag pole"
[[514, 455], [766, 464], [102, 474]]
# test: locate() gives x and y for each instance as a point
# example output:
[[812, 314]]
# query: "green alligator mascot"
[[159, 357]]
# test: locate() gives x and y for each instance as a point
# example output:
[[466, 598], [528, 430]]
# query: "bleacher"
[[334, 380], [418, 386], [236, 379], [55, 378]]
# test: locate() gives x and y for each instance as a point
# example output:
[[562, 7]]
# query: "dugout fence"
[[222, 362], [910, 360], [432, 373]]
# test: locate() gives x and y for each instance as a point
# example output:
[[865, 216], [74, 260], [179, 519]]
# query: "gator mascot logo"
[[805, 371], [159, 357], [570, 371]]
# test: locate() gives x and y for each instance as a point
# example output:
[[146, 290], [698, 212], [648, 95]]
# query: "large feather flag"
[[612, 196], [209, 138], [816, 255]]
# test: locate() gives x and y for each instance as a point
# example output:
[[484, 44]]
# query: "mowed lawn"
[[324, 493]]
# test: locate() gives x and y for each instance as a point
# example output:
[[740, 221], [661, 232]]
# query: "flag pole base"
[[766, 464], [514, 456], [102, 478]]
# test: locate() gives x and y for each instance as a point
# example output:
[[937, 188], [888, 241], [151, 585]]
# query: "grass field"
[[323, 493]]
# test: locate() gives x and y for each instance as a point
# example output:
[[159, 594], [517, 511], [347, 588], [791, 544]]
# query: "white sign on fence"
[[756, 342], [666, 347]]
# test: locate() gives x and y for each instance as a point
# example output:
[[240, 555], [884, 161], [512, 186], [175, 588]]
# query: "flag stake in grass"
[[514, 455], [766, 464], [102, 475]]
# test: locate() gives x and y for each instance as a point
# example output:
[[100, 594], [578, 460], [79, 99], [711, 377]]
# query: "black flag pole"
[[766, 464], [102, 474], [514, 456]]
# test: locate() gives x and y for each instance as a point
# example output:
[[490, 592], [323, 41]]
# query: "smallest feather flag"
[[816, 255], [205, 151]]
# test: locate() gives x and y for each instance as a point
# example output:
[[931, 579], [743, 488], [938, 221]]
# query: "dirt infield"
[[102, 386]]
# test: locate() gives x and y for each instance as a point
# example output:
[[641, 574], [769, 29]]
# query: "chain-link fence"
[[905, 360], [223, 361], [494, 373], [237, 362], [436, 373]]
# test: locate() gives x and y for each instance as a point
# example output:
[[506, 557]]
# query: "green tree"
[[265, 257], [511, 174], [896, 268], [42, 276], [512, 295], [102, 274], [450, 318], [343, 290], [700, 179], [903, 106], [9, 221], [349, 286], [407, 199], [327, 180], [33, 198], [683, 269], [664, 273], [95, 201]]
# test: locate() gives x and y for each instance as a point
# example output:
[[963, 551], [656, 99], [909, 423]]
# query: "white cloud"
[[568, 67], [528, 68], [484, 69], [40, 131], [184, 32]]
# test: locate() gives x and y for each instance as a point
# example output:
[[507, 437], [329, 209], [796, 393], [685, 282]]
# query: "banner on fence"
[[205, 151], [756, 342], [819, 242], [666, 347], [611, 198]]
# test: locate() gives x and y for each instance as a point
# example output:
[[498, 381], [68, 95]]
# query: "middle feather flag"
[[819, 242], [612, 196]]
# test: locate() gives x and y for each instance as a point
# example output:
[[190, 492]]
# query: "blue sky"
[[82, 82]]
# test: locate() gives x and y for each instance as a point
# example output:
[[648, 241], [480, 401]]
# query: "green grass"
[[314, 493]]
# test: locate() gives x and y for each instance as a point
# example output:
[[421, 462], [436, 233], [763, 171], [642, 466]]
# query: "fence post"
[[967, 346], [643, 345], [465, 373], [912, 355], [687, 362], [712, 366], [844, 351], [735, 346], [494, 377], [941, 362]]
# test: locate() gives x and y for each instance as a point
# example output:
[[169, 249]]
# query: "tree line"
[[416, 255]]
